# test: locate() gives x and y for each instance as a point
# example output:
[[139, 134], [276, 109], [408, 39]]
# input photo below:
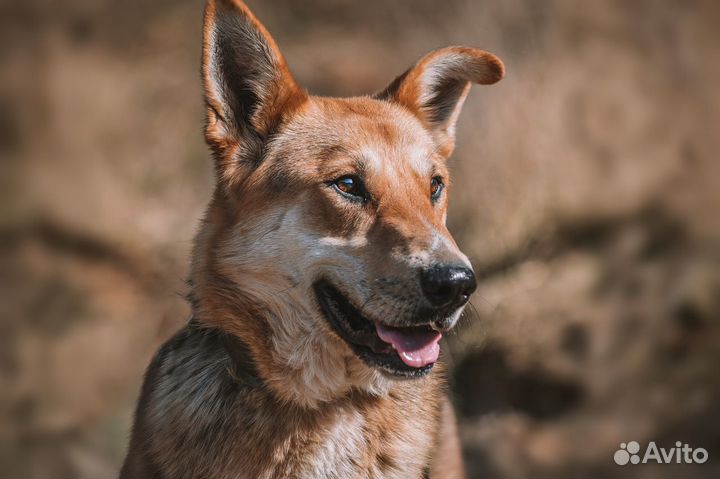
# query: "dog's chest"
[[355, 446]]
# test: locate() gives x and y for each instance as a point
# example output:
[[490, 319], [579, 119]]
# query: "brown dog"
[[323, 276]]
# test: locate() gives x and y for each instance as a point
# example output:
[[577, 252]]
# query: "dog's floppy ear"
[[248, 87], [435, 88]]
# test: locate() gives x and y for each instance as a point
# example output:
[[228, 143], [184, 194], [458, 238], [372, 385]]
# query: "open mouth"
[[400, 351]]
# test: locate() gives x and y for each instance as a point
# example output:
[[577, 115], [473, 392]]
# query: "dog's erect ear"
[[248, 87], [435, 88]]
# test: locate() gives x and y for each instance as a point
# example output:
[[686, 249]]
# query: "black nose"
[[447, 285]]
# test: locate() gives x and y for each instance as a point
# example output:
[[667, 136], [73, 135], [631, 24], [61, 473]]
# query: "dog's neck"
[[309, 376], [242, 366]]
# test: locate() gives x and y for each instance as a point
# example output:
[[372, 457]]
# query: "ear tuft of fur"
[[435, 88]]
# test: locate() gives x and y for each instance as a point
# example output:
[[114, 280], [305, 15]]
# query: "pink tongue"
[[416, 347]]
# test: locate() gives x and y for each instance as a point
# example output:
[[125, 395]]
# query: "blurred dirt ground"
[[586, 192]]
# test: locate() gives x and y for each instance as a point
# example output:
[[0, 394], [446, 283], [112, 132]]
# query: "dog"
[[323, 276]]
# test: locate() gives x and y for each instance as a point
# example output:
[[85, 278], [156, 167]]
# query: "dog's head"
[[325, 247]]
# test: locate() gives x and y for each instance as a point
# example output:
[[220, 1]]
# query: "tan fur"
[[258, 384]]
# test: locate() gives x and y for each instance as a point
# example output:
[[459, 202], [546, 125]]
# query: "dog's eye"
[[351, 187], [436, 187]]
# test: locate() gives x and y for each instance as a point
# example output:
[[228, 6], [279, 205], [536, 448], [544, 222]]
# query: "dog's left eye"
[[351, 187], [436, 187]]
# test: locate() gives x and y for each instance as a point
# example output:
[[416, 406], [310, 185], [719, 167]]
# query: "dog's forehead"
[[381, 136]]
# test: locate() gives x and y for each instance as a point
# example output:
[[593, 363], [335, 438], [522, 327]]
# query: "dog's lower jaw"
[[313, 366]]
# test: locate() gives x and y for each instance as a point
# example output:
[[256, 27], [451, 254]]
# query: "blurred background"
[[587, 193]]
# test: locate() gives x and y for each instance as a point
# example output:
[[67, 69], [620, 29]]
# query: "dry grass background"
[[587, 193]]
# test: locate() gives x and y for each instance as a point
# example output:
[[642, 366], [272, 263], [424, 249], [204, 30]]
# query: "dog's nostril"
[[445, 285]]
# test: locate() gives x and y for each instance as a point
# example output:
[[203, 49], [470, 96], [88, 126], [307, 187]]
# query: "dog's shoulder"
[[194, 380]]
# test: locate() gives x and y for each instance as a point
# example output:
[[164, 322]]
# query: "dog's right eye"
[[351, 187]]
